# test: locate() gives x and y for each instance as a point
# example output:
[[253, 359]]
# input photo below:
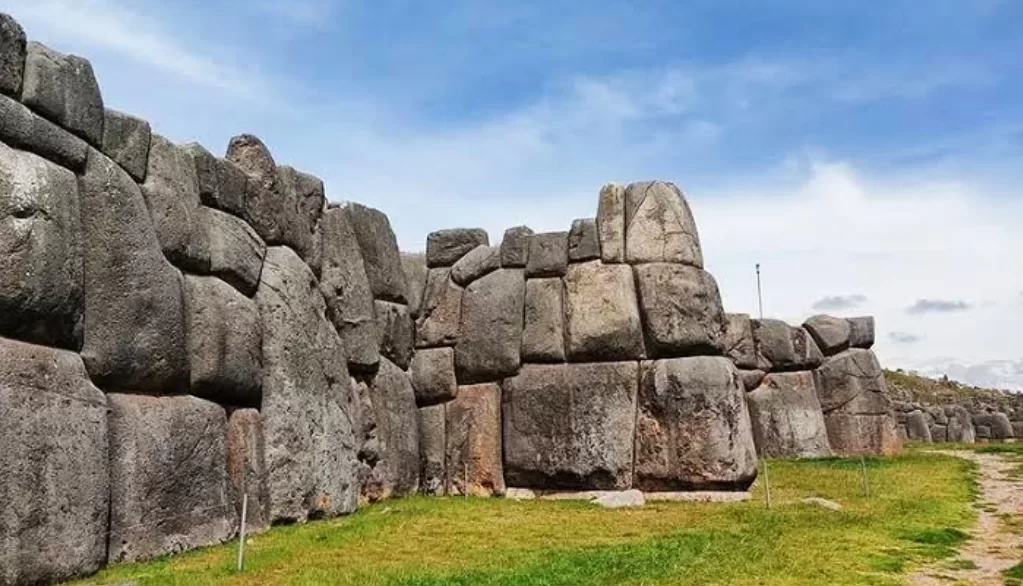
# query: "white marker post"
[[863, 470], [767, 475], [241, 532]]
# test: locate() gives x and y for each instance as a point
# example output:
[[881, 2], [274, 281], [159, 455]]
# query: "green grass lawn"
[[917, 511]]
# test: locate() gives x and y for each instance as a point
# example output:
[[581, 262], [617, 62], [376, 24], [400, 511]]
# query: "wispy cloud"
[[317, 14], [903, 338], [839, 302], [937, 306]]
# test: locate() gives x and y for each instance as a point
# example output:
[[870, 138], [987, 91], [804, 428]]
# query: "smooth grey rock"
[[917, 428], [570, 426], [56, 479], [1001, 427], [659, 226], [441, 312], [396, 472], [265, 207], [781, 347], [861, 332], [681, 309], [414, 265], [939, 433], [21, 128], [380, 252], [515, 247], [63, 89], [543, 334], [739, 344], [787, 418], [395, 332], [41, 278], [602, 320], [224, 342], [126, 141], [490, 334], [751, 379], [134, 312], [221, 182], [445, 247], [246, 468], [830, 333], [12, 55], [473, 441], [432, 447], [611, 223], [345, 288], [583, 241], [307, 396], [548, 255], [478, 262], [306, 198], [171, 191], [852, 381], [236, 251], [433, 376], [621, 500], [983, 431], [693, 429], [169, 490], [853, 435]]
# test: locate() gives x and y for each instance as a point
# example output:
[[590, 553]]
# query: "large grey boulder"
[[432, 447], [63, 89], [998, 423], [917, 428], [659, 226], [476, 263], [171, 190], [414, 266], [960, 425], [395, 429], [445, 247], [441, 311], [490, 334], [41, 278], [126, 141], [739, 344], [851, 435], [602, 320], [583, 241], [681, 309], [23, 129], [380, 253], [611, 223], [787, 418], [236, 251], [830, 333], [515, 247], [306, 198], [570, 426], [781, 347], [548, 255], [56, 479], [246, 468], [221, 182], [473, 441], [939, 433], [12, 55], [224, 342], [861, 332], [854, 398], [395, 332], [345, 288], [693, 429], [543, 334], [169, 490], [307, 396], [134, 313], [433, 376]]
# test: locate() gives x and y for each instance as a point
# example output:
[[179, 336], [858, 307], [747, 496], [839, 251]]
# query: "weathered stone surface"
[[221, 182], [830, 333], [41, 297], [224, 342], [168, 479], [445, 247], [63, 89], [55, 481], [1001, 427], [395, 429], [515, 247], [433, 376], [739, 344], [939, 433], [307, 396], [126, 141], [853, 382], [345, 288], [21, 128], [543, 334], [395, 332], [601, 313], [246, 468], [751, 379], [473, 441], [917, 428], [781, 347], [414, 265], [570, 426], [134, 316], [960, 426], [432, 446], [490, 334], [611, 223], [693, 429], [983, 432], [12, 55], [852, 435], [171, 191], [681, 309], [265, 207], [659, 226], [236, 251], [380, 252], [478, 262], [306, 198], [583, 241], [548, 255], [441, 312], [787, 417], [861, 332]]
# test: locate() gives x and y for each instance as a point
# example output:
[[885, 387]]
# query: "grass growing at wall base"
[[920, 505]]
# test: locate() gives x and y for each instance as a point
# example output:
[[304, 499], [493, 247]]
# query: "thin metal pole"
[[241, 532], [767, 482], [863, 469], [760, 297]]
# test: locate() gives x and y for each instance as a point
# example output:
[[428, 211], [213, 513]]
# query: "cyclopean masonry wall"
[[179, 329]]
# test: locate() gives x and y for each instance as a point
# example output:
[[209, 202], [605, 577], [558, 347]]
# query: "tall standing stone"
[[543, 334], [395, 418], [490, 335], [473, 441], [63, 89], [787, 417], [659, 226], [395, 332], [126, 140], [171, 191], [583, 241], [236, 251], [857, 411], [414, 265], [221, 182], [246, 467], [12, 55], [611, 223], [441, 311], [432, 447], [515, 247], [380, 252], [602, 320], [739, 344], [681, 309], [306, 198]]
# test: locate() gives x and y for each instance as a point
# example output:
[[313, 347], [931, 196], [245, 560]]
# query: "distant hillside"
[[911, 387]]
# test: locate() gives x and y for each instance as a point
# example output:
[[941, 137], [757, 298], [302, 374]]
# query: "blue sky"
[[867, 153]]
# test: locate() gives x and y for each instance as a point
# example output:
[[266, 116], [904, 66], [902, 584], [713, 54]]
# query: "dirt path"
[[993, 547]]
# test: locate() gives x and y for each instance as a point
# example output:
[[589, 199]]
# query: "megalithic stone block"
[[432, 446], [602, 320], [171, 191], [473, 441], [126, 141], [441, 311], [380, 253], [787, 418], [445, 247], [246, 466], [515, 247], [394, 470], [12, 55], [611, 223], [63, 89], [23, 129], [543, 335], [681, 309], [490, 335], [659, 225]]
